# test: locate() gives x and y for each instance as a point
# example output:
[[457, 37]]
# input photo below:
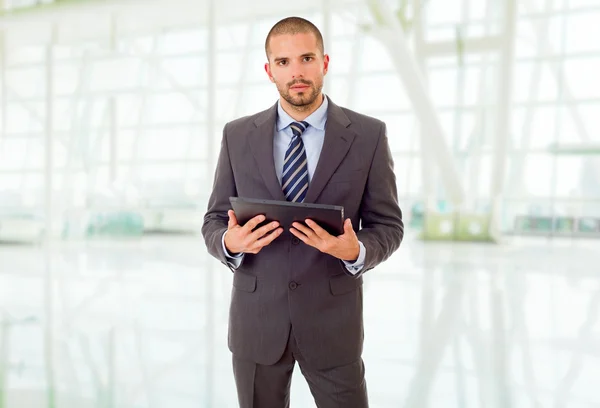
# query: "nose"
[[297, 70]]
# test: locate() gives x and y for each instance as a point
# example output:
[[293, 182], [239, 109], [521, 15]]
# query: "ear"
[[325, 64], [268, 71]]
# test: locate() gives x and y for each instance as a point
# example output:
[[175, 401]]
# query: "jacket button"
[[295, 241], [293, 285]]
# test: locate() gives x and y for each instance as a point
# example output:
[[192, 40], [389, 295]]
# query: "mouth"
[[299, 88]]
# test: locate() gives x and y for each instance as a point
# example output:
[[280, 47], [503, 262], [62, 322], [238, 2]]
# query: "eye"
[[308, 59], [281, 62]]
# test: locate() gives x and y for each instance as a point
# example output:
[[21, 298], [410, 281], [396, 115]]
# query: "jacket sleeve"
[[382, 228], [216, 218]]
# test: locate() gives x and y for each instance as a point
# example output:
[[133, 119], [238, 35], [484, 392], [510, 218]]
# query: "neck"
[[299, 113]]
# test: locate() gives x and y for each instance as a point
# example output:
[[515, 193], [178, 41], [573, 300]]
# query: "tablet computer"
[[329, 217]]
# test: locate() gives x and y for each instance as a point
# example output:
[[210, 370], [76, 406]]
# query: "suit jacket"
[[289, 283]]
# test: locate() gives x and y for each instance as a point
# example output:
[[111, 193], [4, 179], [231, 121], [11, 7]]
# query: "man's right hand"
[[243, 239]]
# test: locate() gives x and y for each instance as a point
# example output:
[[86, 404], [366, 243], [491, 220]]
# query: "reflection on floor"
[[134, 324]]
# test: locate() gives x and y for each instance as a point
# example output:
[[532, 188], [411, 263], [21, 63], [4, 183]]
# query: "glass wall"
[[128, 126]]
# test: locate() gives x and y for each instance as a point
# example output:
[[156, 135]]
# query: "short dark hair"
[[294, 25]]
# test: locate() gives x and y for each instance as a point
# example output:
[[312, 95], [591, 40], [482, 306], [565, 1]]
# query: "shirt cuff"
[[356, 266], [233, 260]]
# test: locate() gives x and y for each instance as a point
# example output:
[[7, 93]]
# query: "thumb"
[[232, 219], [348, 226]]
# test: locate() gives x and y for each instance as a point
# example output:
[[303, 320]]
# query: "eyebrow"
[[308, 54]]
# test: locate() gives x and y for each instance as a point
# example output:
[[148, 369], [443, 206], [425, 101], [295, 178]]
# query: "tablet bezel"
[[322, 214]]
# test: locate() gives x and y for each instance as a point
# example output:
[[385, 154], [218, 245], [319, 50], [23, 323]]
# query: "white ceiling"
[[91, 19]]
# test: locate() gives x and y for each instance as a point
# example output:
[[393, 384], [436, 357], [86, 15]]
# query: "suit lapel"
[[261, 145], [338, 139]]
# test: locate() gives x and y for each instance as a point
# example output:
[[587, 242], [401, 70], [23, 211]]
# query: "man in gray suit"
[[297, 294]]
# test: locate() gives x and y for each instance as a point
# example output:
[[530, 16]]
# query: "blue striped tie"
[[295, 168]]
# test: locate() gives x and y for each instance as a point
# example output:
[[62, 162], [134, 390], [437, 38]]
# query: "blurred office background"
[[111, 115]]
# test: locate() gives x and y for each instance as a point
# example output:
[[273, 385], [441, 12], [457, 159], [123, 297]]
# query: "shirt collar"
[[317, 119]]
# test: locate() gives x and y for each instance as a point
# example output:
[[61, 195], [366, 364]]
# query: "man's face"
[[297, 67]]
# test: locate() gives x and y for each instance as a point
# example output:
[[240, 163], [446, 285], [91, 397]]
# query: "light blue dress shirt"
[[313, 138]]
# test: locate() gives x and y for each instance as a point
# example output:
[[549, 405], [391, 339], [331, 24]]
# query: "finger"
[[232, 219], [303, 228], [348, 227], [266, 240], [263, 230], [321, 233], [252, 223], [301, 236]]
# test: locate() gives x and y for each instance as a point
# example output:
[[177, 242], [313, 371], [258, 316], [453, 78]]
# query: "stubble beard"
[[302, 101]]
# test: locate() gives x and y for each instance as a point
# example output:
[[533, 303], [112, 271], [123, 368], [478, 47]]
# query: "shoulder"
[[356, 117], [241, 125], [364, 124]]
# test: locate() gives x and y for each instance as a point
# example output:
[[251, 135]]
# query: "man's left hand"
[[344, 247]]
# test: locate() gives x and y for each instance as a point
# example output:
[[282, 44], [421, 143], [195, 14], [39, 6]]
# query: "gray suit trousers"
[[268, 386]]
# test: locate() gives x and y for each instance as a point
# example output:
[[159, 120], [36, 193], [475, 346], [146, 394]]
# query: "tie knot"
[[298, 127]]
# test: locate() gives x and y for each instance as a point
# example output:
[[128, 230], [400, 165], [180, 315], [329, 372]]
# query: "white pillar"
[[504, 112], [112, 363], [392, 36], [112, 110], [244, 62], [113, 148], [49, 232], [427, 158], [212, 135], [499, 333], [326, 29], [3, 102], [4, 358], [48, 136]]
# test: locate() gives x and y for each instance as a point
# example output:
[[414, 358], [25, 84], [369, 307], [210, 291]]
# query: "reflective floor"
[[143, 323]]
